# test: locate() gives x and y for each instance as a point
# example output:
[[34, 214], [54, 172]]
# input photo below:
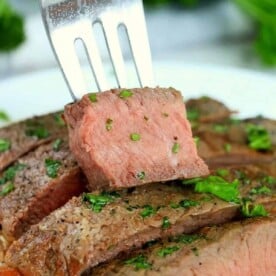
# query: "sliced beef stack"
[[123, 138]]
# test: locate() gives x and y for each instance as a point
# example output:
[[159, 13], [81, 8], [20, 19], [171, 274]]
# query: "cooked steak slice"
[[96, 228], [19, 138], [124, 138], [37, 184], [206, 109], [241, 248]]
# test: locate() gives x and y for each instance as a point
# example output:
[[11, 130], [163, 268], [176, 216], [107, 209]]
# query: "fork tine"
[[112, 40]]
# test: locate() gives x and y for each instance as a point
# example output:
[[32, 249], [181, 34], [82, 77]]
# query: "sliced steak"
[[242, 248], [206, 109], [37, 184], [124, 138], [83, 234], [20, 138]]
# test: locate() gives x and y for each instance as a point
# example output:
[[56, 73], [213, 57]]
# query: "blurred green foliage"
[[11, 27], [264, 13]]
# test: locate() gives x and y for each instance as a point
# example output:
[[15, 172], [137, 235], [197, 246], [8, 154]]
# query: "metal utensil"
[[69, 20]]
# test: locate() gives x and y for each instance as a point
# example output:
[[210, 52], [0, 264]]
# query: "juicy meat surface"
[[35, 192], [123, 142], [241, 248], [29, 134], [77, 237]]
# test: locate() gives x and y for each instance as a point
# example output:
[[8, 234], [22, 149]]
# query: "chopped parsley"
[[250, 210], [217, 186], [270, 180], [220, 128], [262, 190], [258, 138], [135, 137], [147, 211], [227, 147], [97, 202], [166, 223], [192, 114], [222, 172], [187, 203], [196, 140], [9, 174], [185, 238], [59, 120], [108, 124], [57, 144], [139, 262], [4, 116], [7, 189], [52, 167], [167, 251], [37, 130], [93, 97], [175, 148], [125, 94], [5, 145], [141, 175]]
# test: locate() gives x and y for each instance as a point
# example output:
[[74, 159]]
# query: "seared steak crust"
[[76, 238], [123, 142], [241, 248], [29, 134]]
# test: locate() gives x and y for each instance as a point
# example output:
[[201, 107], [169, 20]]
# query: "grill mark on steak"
[[111, 159], [35, 193], [230, 249], [22, 143], [74, 238]]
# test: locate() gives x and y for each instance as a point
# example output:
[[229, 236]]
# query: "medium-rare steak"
[[242, 248], [37, 184], [124, 138], [19, 138], [95, 228]]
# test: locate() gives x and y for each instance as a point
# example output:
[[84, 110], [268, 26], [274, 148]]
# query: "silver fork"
[[69, 20]]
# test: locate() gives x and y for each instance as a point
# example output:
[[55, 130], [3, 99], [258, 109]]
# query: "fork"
[[66, 21]]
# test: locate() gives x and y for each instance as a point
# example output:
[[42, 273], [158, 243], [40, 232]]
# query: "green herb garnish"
[[175, 148], [167, 251], [263, 190], [220, 128], [139, 262], [57, 144], [166, 223], [125, 94], [270, 180], [93, 97], [52, 167], [192, 114], [9, 173], [187, 203], [222, 172], [59, 120], [38, 131], [4, 116], [108, 124], [258, 137], [135, 136], [141, 175], [227, 147], [147, 211], [5, 145], [185, 238], [250, 210], [7, 189], [196, 140]]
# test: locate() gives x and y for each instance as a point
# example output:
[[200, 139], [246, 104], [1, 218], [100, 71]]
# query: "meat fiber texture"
[[240, 248], [78, 237], [129, 141]]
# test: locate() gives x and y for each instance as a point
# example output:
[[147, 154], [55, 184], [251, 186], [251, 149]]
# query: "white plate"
[[250, 93]]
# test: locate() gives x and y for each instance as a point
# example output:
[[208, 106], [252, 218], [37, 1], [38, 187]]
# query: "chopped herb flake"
[[125, 94], [227, 147], [175, 148], [97, 202], [222, 172], [166, 223], [270, 180], [263, 190], [52, 167], [5, 145], [38, 131], [250, 210], [141, 175], [167, 251], [59, 120], [147, 211], [187, 203], [135, 136], [108, 124], [192, 114], [139, 262], [4, 116], [93, 97], [196, 140], [7, 189], [9, 174], [258, 137], [57, 144], [185, 238], [220, 128]]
